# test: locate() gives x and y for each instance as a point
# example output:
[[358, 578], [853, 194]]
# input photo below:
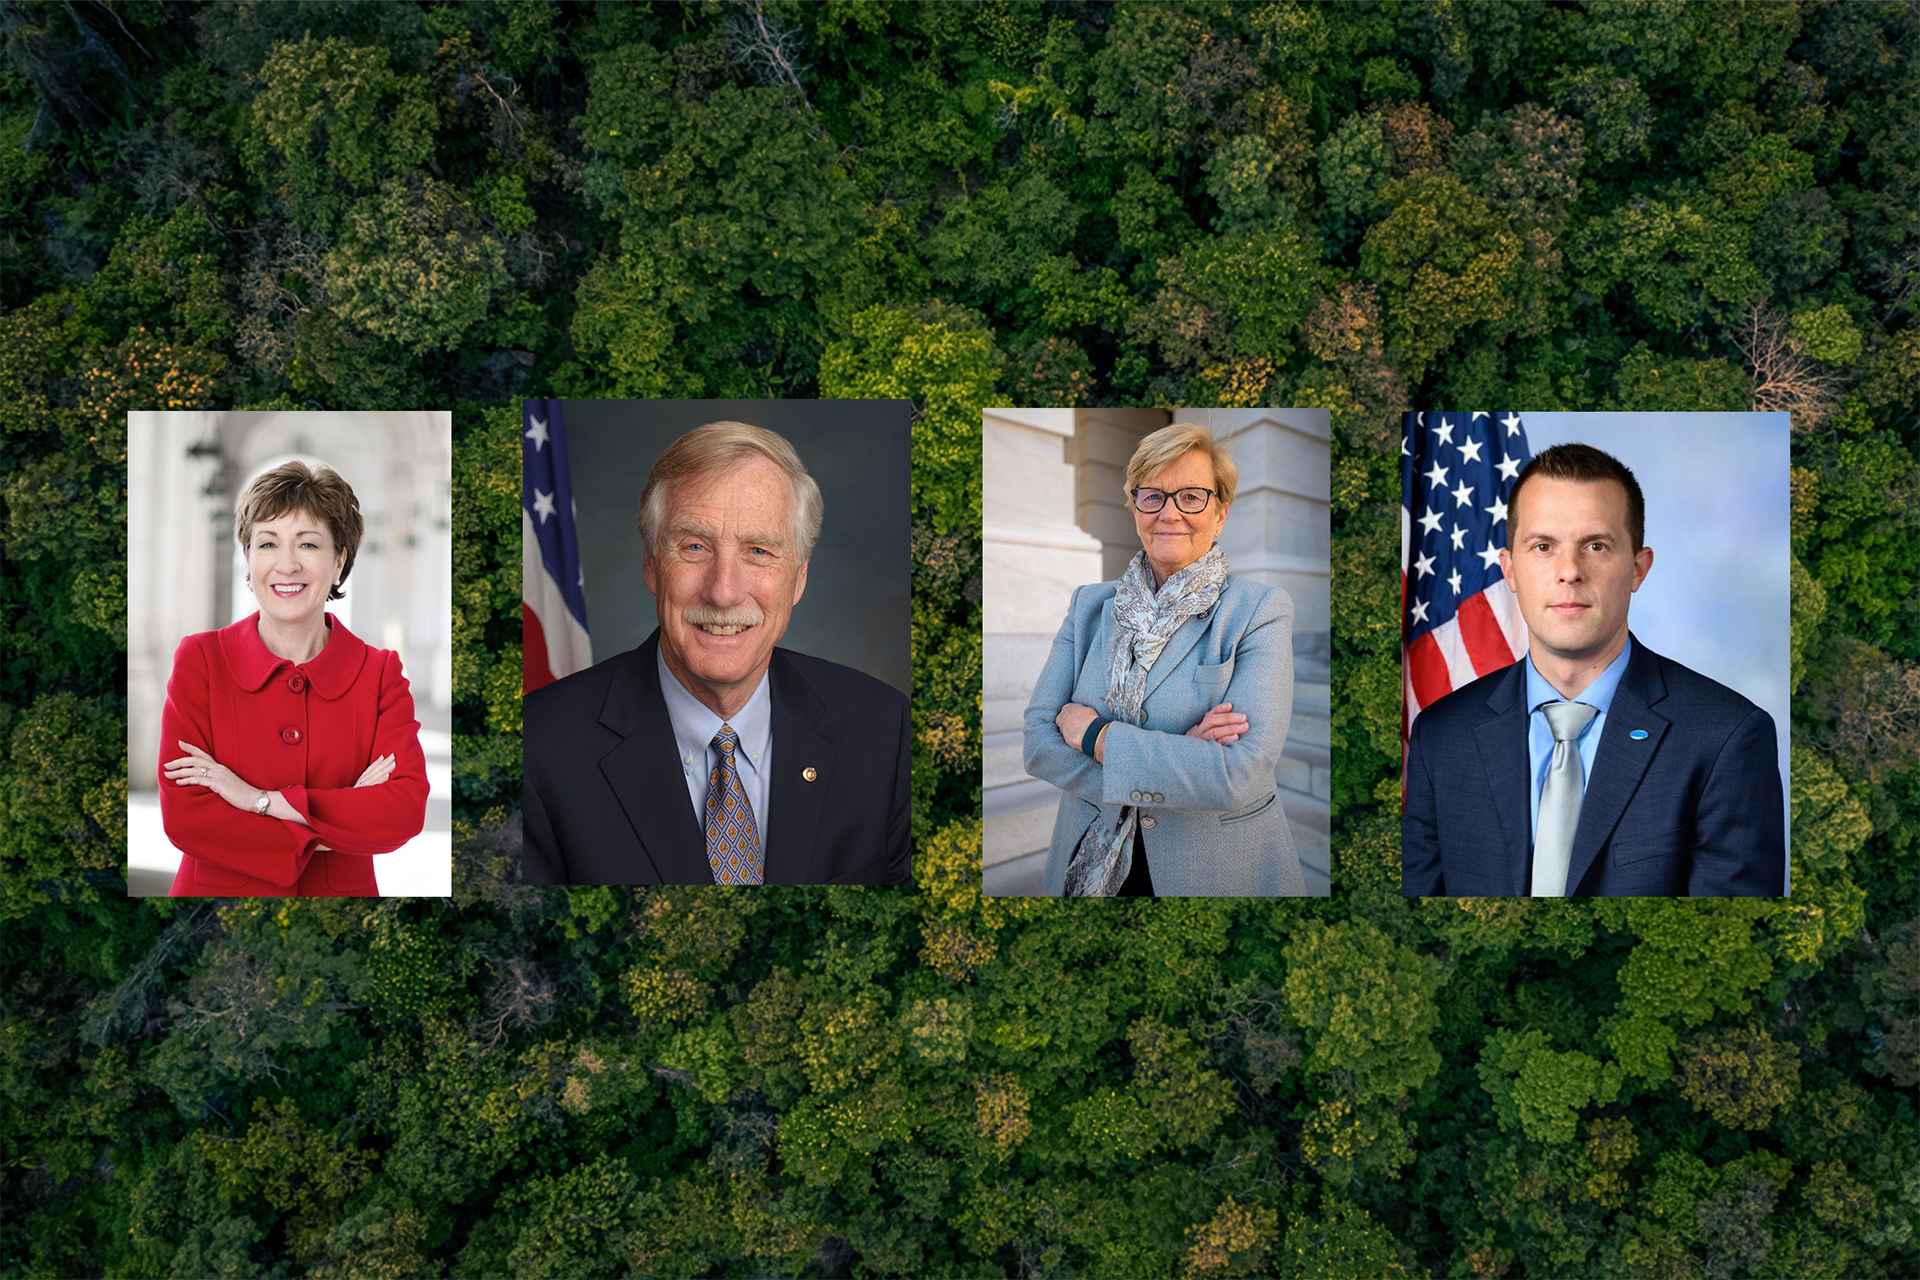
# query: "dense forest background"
[[1364, 206]]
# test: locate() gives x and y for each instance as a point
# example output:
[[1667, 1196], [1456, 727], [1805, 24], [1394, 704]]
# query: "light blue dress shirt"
[[694, 727], [1598, 695]]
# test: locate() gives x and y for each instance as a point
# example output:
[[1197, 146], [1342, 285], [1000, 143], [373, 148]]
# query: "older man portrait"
[[708, 753]]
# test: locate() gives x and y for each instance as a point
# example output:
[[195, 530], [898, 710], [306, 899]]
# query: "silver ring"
[[203, 771]]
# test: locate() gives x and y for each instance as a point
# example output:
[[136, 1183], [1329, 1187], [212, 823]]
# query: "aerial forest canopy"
[[1368, 207]]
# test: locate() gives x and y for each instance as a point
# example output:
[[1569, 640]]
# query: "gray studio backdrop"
[[856, 607]]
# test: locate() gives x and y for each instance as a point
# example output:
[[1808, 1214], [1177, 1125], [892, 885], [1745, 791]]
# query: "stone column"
[[432, 554], [1278, 534], [1102, 446], [177, 534], [1033, 555], [1043, 539]]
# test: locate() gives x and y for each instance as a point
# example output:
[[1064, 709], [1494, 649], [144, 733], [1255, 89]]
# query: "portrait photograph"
[[1596, 654], [716, 642], [1140, 330], [289, 654], [1156, 652]]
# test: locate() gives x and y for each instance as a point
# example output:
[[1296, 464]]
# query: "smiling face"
[[1173, 539], [725, 577], [1574, 569], [291, 565]]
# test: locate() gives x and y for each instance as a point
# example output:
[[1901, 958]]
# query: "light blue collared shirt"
[[694, 727], [1598, 695]]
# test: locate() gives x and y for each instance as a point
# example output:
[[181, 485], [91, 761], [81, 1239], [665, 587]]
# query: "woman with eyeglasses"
[[1162, 709]]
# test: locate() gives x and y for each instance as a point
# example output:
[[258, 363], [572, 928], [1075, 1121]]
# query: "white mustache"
[[700, 616]]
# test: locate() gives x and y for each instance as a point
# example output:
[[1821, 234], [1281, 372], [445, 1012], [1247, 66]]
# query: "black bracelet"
[[1092, 735]]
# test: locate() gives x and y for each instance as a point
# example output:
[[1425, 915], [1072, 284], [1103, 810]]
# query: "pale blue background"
[[1718, 520]]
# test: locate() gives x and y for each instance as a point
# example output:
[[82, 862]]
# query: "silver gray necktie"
[[1559, 799]]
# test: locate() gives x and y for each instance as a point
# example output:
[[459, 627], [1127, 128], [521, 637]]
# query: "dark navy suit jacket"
[[1694, 808], [606, 802]]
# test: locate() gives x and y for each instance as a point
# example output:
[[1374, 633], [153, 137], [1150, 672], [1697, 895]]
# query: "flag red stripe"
[[1480, 632], [1427, 667], [534, 671]]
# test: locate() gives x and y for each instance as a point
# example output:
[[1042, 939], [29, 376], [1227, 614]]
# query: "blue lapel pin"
[[1638, 735]]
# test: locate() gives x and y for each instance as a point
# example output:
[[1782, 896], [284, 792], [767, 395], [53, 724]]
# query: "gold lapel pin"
[[809, 773]]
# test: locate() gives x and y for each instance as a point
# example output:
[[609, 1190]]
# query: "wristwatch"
[[260, 805]]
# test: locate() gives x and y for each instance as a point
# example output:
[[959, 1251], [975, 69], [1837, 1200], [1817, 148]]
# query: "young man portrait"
[[1593, 765]]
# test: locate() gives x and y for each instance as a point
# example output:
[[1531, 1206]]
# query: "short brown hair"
[[1585, 463], [710, 450], [320, 492], [1170, 444]]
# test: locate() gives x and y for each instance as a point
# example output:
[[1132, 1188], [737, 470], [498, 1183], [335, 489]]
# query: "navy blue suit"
[[1693, 809], [605, 802]]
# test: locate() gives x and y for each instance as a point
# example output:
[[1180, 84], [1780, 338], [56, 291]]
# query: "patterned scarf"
[[1143, 621]]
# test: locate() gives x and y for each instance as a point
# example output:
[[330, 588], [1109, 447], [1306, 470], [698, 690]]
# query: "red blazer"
[[306, 731]]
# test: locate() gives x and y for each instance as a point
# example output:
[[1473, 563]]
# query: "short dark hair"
[[1586, 463], [320, 492]]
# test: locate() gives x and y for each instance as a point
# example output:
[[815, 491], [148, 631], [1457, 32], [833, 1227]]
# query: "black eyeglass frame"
[[1134, 494]]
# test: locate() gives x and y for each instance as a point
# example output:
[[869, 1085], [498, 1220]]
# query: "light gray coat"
[[1211, 819]]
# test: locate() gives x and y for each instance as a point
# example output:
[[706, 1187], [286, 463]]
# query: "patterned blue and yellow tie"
[[733, 847]]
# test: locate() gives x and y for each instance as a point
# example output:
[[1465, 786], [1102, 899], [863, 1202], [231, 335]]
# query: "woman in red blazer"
[[295, 755]]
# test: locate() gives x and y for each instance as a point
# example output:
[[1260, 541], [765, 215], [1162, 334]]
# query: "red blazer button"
[[289, 735], [298, 684]]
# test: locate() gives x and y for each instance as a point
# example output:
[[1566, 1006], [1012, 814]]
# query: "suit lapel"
[[1620, 762], [1097, 638], [1181, 643], [1502, 742], [1095, 643], [1099, 648], [794, 804], [645, 772]]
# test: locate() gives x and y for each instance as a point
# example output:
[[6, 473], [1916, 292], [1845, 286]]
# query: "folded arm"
[[199, 821], [1046, 753], [1197, 773], [375, 819]]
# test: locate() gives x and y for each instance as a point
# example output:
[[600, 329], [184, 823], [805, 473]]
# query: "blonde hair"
[[1170, 444], [709, 451], [318, 491]]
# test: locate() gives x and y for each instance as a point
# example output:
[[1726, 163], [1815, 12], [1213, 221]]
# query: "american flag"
[[553, 611], [1458, 620]]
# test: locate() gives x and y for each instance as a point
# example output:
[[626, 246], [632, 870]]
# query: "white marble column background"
[[1056, 517], [185, 474]]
